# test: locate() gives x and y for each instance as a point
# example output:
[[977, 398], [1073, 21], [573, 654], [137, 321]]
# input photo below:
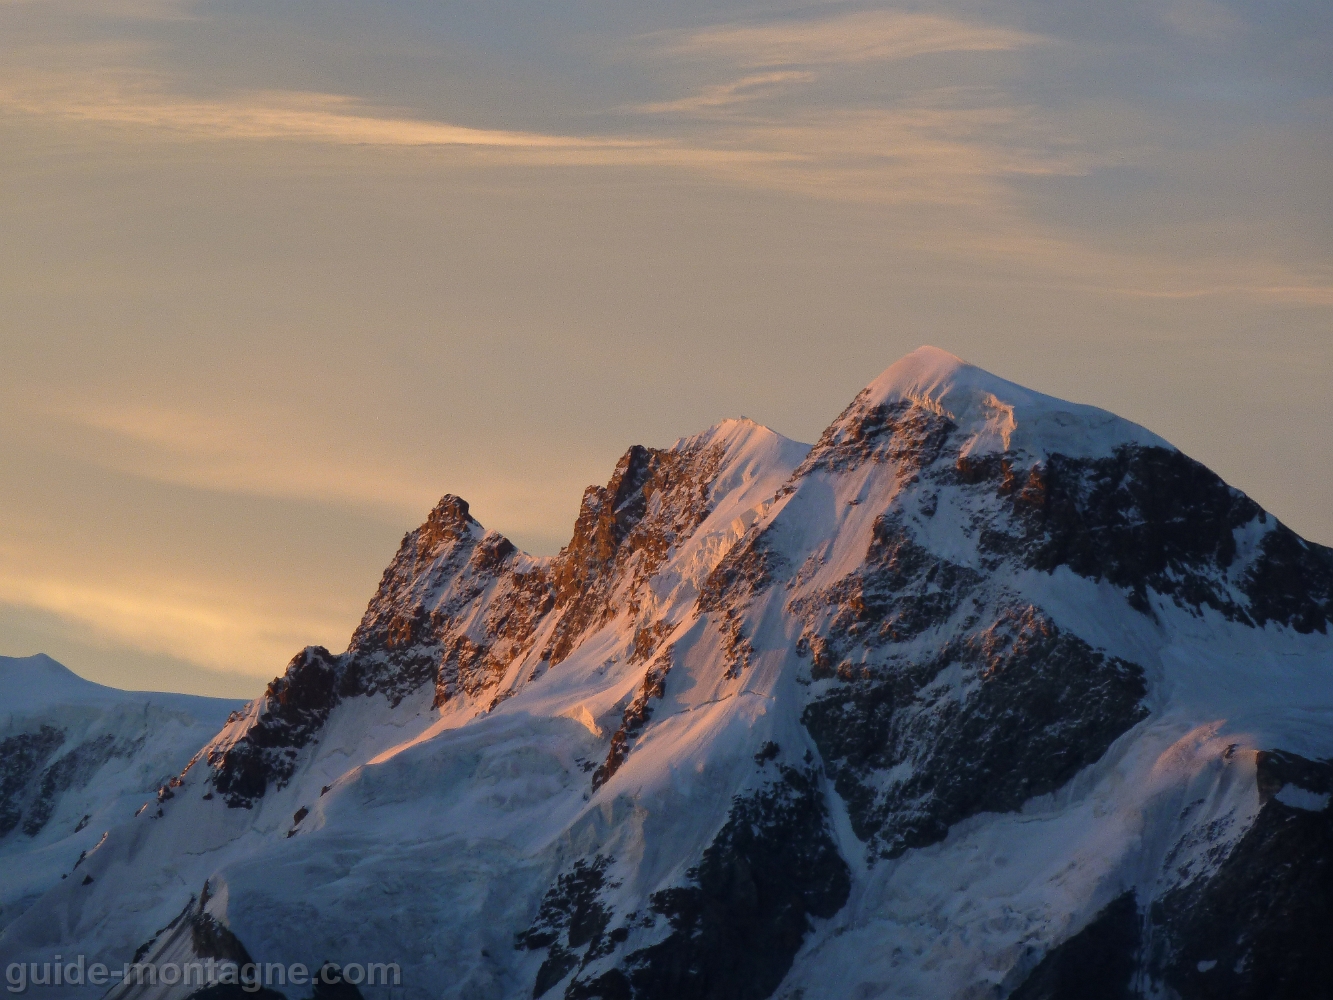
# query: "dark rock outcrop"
[[294, 708], [21, 759], [998, 716], [74, 769], [1097, 963], [735, 929], [571, 925], [1258, 926], [900, 592], [1155, 519], [636, 715], [1291, 582], [902, 432]]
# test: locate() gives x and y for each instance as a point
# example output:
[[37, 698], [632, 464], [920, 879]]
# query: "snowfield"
[[77, 759]]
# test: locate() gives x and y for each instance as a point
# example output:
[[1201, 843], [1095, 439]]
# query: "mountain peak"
[[998, 415], [731, 432], [450, 520], [30, 681]]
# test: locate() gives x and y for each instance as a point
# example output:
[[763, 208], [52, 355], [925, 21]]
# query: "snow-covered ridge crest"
[[77, 759], [997, 415]]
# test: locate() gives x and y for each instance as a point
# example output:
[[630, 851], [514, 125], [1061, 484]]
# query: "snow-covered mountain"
[[76, 759], [983, 695]]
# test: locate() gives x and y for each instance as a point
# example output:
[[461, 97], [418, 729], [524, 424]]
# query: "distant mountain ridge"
[[77, 758], [984, 694]]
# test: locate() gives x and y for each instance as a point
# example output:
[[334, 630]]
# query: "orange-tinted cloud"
[[861, 36]]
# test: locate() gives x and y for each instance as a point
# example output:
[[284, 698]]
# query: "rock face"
[[984, 695], [734, 927], [1026, 705], [458, 608], [22, 757]]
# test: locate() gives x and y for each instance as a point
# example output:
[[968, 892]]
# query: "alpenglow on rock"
[[984, 695]]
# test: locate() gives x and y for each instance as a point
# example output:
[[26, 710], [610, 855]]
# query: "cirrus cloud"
[[862, 36]]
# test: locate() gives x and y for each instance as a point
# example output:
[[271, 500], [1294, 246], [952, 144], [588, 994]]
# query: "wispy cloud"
[[773, 123], [265, 452], [1012, 248], [724, 95], [143, 102], [260, 454], [923, 150], [927, 152], [139, 98], [864, 36], [133, 10], [926, 144], [206, 627]]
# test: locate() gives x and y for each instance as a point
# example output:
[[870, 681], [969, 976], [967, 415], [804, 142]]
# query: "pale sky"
[[276, 276]]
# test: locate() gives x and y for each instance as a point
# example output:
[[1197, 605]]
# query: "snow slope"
[[983, 695], [77, 758]]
